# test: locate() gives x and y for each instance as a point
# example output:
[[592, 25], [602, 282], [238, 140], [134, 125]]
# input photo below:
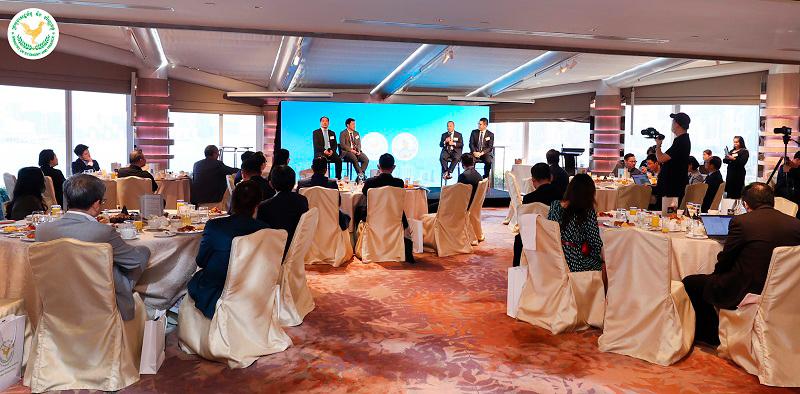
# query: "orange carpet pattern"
[[440, 327]]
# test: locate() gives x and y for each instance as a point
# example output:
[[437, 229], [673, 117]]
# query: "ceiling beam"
[[521, 73], [289, 62], [630, 76], [411, 68], [146, 45]]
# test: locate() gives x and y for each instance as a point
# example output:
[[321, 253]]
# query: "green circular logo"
[[33, 33]]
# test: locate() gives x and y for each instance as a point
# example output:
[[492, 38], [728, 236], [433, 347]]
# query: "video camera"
[[651, 132], [785, 130]]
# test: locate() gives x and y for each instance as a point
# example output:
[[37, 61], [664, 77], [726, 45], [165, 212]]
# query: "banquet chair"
[[447, 231], [718, 197], [49, 196], [762, 337], [9, 180], [130, 189], [16, 307], [526, 186], [229, 182], [694, 194], [648, 315], [80, 341], [533, 208], [245, 325], [633, 196], [516, 199], [786, 206], [380, 237], [554, 298], [475, 209], [331, 245], [295, 300]]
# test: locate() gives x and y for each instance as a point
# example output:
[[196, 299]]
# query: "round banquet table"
[[171, 189], [164, 280], [605, 200], [689, 256], [415, 203]]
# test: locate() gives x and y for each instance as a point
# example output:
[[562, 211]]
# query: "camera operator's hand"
[[659, 142]]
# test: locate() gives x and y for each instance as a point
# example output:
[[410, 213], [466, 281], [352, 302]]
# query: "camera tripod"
[[786, 138]]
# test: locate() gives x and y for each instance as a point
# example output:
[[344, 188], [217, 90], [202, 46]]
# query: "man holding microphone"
[[452, 145]]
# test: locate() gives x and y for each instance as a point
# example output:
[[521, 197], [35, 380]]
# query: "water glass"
[[203, 213]]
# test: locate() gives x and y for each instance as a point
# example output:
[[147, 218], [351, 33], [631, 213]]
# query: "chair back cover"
[[476, 230], [786, 206], [648, 316], [81, 341], [534, 207], [129, 189], [380, 238], [694, 194], [296, 300], [447, 230], [245, 325], [762, 337], [516, 199], [229, 179], [718, 196], [634, 196], [49, 196], [9, 180], [331, 244]]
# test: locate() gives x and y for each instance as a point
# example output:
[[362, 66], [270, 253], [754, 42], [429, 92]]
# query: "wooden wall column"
[[780, 106], [607, 134], [151, 119]]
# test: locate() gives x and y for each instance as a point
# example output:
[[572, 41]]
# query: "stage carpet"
[[438, 327]]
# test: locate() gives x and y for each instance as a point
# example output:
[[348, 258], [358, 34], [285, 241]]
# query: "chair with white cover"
[[786, 206], [49, 196], [718, 197], [130, 189], [380, 237], [694, 194], [446, 232], [295, 300], [9, 180], [762, 337], [331, 244], [554, 298], [516, 199], [80, 341], [648, 315], [475, 209], [245, 325], [531, 208], [633, 196], [16, 307]]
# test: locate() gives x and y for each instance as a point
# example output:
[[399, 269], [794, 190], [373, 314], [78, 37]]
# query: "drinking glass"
[[186, 219], [203, 213]]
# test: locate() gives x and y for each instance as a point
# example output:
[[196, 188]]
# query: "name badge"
[[455, 139], [358, 138], [332, 137], [488, 138]]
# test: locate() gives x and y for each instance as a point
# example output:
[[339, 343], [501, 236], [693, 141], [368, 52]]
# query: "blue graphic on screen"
[[410, 132]]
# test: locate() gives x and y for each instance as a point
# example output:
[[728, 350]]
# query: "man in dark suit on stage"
[[481, 146], [713, 180], [452, 145], [137, 161], [284, 210], [743, 264], [208, 177], [319, 165], [350, 146], [325, 145]]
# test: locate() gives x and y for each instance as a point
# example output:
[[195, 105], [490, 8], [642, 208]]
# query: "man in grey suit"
[[84, 195], [350, 144]]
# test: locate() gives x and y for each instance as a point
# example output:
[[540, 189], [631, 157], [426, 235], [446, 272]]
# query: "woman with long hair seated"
[[580, 236], [206, 285], [47, 163], [27, 197]]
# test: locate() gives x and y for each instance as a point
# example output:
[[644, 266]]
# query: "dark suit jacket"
[[743, 264], [23, 206], [488, 142], [133, 170], [267, 191], [58, 182], [544, 194], [283, 212], [470, 177], [560, 178], [319, 143], [78, 166], [213, 258], [457, 139], [345, 144], [208, 180], [317, 180], [713, 181], [380, 180]]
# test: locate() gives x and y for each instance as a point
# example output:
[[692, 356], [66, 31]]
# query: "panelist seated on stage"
[[84, 196], [544, 192], [629, 163], [452, 145], [481, 145], [137, 161], [283, 211], [84, 161], [713, 180], [743, 264], [208, 177], [319, 167], [325, 145], [251, 171], [350, 146]]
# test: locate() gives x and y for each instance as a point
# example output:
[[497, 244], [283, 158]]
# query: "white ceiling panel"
[[115, 36], [589, 67]]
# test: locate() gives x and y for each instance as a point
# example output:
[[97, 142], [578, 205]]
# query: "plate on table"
[[164, 234], [131, 239], [26, 239], [190, 232], [610, 224], [692, 236]]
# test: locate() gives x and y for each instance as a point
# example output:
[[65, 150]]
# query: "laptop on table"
[[716, 225]]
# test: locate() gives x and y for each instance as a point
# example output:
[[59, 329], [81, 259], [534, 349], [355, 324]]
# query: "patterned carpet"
[[438, 326]]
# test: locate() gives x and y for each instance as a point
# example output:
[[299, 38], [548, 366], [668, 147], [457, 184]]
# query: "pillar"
[[151, 119], [270, 130], [780, 106], [606, 144]]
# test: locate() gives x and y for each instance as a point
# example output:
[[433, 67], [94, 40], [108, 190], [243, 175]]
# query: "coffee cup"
[[127, 233]]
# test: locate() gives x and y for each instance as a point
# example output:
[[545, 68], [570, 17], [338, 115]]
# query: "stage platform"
[[494, 198]]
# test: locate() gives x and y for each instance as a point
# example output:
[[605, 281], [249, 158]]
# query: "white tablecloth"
[[415, 204], [605, 200], [171, 189]]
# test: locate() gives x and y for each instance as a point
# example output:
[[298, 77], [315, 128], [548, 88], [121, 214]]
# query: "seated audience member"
[[653, 166], [650, 151], [384, 178], [47, 163], [743, 264], [283, 211], [251, 171], [544, 192], [245, 155], [560, 176], [279, 158], [788, 183], [27, 197], [580, 236], [707, 155], [84, 196], [628, 163], [470, 176], [213, 257], [695, 176], [84, 161], [137, 161], [713, 180], [208, 177], [319, 166]]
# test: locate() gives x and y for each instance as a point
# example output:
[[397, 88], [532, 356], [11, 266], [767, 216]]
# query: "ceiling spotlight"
[[448, 56]]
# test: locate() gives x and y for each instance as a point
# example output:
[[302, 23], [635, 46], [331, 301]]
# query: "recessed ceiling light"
[[93, 4]]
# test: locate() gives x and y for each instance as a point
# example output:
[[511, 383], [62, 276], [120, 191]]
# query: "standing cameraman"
[[672, 179]]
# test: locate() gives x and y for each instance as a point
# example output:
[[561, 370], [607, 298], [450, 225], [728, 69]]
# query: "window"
[[511, 136], [239, 131], [192, 133], [644, 116], [556, 135], [100, 121], [31, 119]]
